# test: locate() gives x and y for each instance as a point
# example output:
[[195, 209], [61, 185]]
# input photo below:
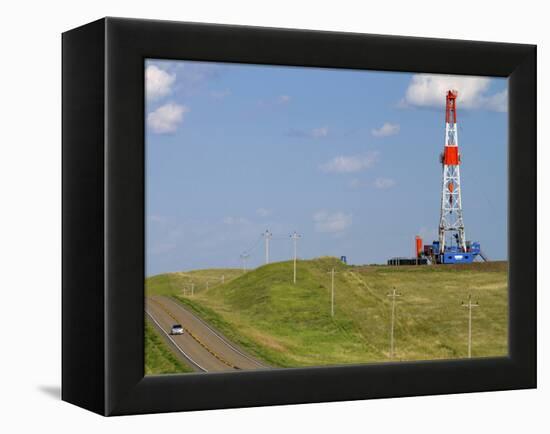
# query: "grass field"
[[290, 325], [158, 357], [180, 283]]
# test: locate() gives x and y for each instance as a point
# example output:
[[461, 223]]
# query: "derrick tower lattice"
[[451, 221]]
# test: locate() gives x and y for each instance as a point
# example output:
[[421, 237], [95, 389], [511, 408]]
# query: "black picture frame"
[[103, 215]]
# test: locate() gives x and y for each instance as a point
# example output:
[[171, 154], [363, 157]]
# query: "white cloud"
[[331, 222], [388, 129], [350, 164], [158, 82], [384, 183], [166, 118], [428, 90], [189, 78], [263, 212], [234, 220], [498, 102]]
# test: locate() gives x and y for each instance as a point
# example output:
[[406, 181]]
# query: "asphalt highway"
[[201, 346]]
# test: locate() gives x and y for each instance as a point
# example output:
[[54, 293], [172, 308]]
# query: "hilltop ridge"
[[291, 325]]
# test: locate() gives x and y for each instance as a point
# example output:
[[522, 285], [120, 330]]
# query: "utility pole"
[[295, 238], [394, 294], [192, 288], [267, 236], [207, 285], [332, 293], [244, 258], [470, 305]]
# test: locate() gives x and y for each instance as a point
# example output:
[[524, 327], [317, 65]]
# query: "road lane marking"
[[225, 341], [217, 356], [175, 343]]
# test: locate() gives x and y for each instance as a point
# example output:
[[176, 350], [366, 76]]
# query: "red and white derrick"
[[451, 222]]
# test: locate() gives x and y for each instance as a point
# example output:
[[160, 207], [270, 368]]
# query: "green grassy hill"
[[180, 283], [158, 357], [290, 325]]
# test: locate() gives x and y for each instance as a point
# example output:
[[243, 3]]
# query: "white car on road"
[[177, 329]]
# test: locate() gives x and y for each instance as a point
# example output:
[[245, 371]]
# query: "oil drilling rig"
[[451, 247]]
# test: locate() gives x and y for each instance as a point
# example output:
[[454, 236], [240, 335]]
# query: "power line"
[[247, 252], [268, 238], [254, 245]]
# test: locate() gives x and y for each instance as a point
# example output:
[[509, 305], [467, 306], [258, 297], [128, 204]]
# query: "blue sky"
[[348, 159]]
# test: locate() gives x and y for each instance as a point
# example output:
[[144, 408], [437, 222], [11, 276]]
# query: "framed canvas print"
[[258, 216]]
